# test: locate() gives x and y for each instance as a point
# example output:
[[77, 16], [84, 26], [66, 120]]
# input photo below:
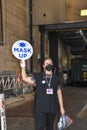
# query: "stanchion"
[[2, 107]]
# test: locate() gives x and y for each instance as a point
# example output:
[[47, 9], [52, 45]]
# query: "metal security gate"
[[13, 87], [10, 86]]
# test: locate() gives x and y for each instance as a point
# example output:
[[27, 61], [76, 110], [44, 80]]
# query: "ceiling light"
[[83, 12]]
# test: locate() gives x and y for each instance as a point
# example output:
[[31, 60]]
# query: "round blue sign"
[[22, 50]]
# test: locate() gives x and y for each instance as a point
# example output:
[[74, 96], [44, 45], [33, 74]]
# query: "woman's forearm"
[[24, 76], [60, 98]]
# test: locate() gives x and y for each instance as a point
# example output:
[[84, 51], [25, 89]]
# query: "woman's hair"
[[47, 58]]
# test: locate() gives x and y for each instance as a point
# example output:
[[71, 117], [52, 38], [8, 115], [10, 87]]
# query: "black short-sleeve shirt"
[[46, 102]]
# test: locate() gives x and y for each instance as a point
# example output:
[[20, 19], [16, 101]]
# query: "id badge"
[[49, 91]]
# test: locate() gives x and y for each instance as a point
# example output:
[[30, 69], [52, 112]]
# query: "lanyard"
[[48, 81]]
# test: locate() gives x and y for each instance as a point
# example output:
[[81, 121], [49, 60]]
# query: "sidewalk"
[[20, 114], [11, 102], [75, 100]]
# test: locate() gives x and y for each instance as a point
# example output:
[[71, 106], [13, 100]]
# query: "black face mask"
[[49, 67]]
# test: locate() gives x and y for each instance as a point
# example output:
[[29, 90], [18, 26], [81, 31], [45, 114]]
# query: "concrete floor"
[[20, 114]]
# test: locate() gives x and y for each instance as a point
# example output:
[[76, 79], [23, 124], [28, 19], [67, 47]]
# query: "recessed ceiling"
[[73, 34], [77, 39]]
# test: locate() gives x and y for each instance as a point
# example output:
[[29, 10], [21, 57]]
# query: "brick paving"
[[20, 114]]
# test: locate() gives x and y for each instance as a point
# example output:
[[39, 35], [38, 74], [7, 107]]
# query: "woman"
[[48, 95]]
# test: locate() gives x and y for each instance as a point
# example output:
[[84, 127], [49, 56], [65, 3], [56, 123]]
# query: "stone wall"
[[14, 28], [57, 11]]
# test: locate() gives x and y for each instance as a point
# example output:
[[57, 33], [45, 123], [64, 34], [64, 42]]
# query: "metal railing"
[[12, 87]]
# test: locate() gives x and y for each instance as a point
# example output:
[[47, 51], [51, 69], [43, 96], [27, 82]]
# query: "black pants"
[[44, 120]]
